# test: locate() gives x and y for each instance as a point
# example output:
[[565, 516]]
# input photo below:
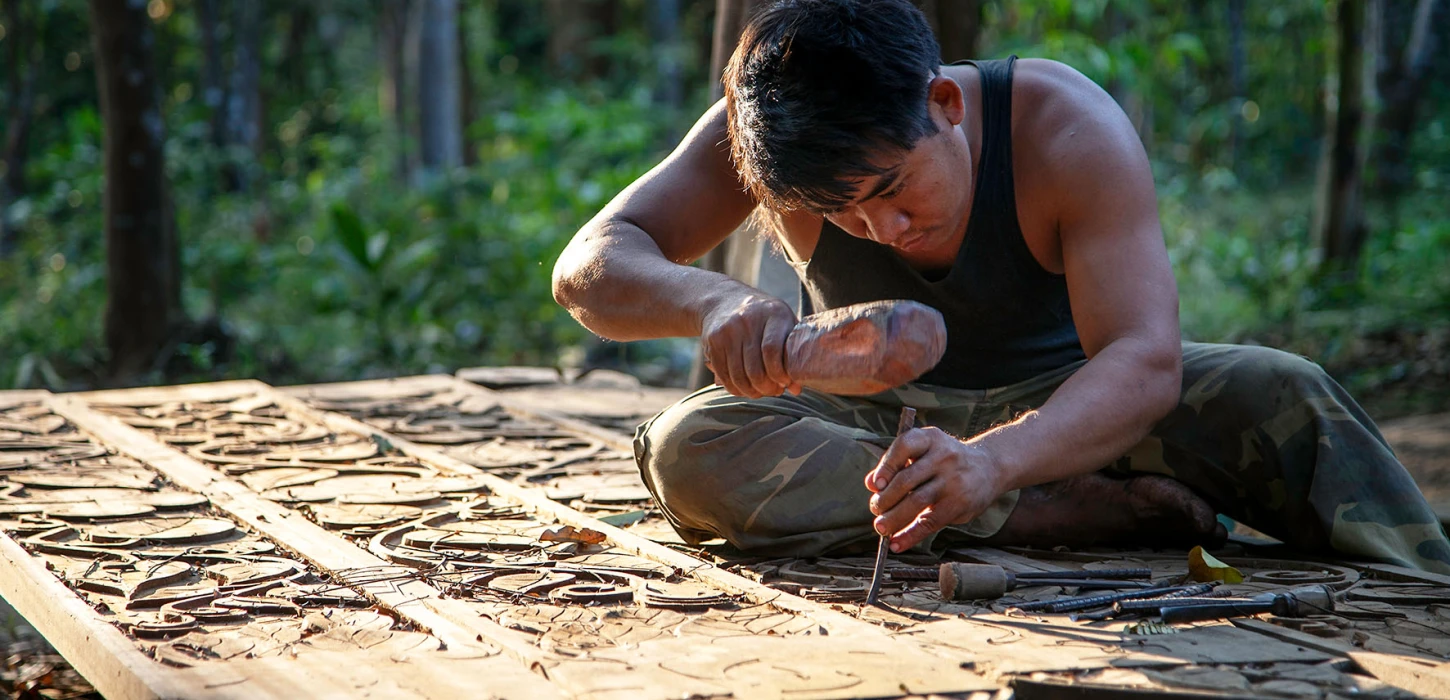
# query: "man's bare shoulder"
[[1070, 133], [1061, 111]]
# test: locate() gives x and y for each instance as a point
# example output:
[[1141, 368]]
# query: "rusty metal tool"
[[1062, 605], [1299, 602], [908, 418], [960, 581]]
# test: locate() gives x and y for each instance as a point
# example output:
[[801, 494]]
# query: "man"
[[1016, 198]]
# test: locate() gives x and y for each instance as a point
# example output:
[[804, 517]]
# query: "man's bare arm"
[[1125, 304], [626, 274]]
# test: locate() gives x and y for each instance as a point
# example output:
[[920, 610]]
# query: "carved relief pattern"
[[188, 583], [566, 586]]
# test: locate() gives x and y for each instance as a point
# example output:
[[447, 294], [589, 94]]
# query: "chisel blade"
[[908, 418]]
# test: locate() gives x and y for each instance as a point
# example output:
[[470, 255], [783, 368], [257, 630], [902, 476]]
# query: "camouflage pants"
[[1264, 436]]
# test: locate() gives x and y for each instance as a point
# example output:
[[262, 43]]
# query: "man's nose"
[[886, 225]]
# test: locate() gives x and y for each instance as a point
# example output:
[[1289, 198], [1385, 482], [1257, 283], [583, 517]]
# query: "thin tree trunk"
[[1400, 87], [25, 61], [1237, 82], [244, 98], [664, 23], [213, 87], [466, 90], [441, 135], [393, 28], [141, 306], [958, 26], [302, 23], [1339, 214]]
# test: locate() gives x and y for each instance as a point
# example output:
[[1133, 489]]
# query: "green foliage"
[[341, 271], [333, 263]]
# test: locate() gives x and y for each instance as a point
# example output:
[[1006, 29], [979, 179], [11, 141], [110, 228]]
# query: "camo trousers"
[[1266, 437]]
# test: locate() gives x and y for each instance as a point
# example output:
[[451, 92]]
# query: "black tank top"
[[1007, 318]]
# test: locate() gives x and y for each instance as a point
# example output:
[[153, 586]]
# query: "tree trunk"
[[440, 133], [394, 17], [574, 25], [958, 26], [468, 110], [1401, 85], [302, 23], [664, 25], [1339, 223], [25, 62], [213, 87], [141, 305], [244, 96], [1237, 82]]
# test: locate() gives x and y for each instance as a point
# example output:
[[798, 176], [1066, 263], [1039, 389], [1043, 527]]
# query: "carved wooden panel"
[[188, 584], [365, 536], [586, 603]]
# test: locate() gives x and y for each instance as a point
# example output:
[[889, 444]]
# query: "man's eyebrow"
[[888, 179]]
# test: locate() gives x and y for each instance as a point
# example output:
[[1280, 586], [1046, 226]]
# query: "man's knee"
[[699, 456], [1257, 380], [754, 471], [1271, 369]]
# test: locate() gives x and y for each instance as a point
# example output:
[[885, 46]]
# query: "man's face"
[[918, 205]]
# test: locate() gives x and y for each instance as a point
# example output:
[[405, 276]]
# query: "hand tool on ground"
[[1116, 611], [1061, 605], [908, 417], [961, 581], [866, 348], [1153, 605], [1299, 602]]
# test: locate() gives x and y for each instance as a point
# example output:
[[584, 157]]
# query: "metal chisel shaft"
[[908, 418]]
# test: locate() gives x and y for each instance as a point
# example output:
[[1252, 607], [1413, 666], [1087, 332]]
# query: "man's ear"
[[946, 94]]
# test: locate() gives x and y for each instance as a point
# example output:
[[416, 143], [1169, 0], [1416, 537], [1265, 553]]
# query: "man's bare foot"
[[1093, 509]]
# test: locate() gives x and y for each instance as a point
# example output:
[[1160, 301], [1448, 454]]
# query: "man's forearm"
[[616, 282], [1095, 417]]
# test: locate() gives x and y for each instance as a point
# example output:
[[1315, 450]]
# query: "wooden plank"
[[627, 541], [1390, 572], [449, 619], [1303, 639], [1425, 678], [96, 649], [343, 675]]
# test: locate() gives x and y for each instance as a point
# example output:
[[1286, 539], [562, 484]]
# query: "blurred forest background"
[[324, 190]]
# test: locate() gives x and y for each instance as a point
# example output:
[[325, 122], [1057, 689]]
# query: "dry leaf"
[[1203, 567], [569, 533]]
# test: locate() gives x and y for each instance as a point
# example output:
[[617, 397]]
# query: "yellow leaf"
[[569, 533], [1203, 567]]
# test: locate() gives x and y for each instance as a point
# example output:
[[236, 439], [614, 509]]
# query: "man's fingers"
[[913, 476], [921, 527], [772, 347], [904, 448], [755, 375], [908, 508], [736, 371]]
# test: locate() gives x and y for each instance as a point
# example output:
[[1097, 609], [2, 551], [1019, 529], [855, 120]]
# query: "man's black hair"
[[817, 87]]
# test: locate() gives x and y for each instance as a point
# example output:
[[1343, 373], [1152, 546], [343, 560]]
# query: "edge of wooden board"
[[98, 651]]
